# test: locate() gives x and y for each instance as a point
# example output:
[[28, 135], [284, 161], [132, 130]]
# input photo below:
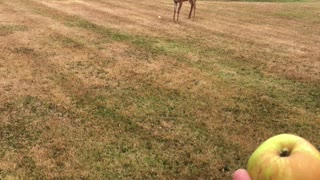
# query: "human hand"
[[241, 174]]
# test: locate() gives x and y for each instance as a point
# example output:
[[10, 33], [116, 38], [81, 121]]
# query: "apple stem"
[[284, 152]]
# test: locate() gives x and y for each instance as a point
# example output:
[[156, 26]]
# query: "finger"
[[241, 174]]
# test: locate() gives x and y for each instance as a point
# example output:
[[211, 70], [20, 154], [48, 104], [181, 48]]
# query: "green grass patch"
[[21, 131], [10, 29], [65, 41]]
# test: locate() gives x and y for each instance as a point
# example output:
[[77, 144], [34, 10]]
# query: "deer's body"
[[177, 8]]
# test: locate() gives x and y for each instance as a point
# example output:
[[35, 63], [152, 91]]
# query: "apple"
[[285, 157]]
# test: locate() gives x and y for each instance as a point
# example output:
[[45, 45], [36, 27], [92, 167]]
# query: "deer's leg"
[[180, 5], [192, 6], [194, 9], [175, 10]]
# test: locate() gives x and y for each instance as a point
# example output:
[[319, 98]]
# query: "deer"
[[176, 2]]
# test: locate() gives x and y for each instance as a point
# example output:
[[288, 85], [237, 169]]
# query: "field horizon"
[[105, 89]]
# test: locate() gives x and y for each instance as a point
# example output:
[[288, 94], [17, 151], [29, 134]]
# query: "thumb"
[[241, 174]]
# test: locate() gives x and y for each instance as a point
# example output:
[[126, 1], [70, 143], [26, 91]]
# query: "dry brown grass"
[[104, 89]]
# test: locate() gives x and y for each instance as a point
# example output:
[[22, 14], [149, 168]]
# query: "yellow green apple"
[[285, 157]]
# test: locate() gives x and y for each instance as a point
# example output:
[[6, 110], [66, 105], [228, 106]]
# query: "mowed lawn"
[[104, 89]]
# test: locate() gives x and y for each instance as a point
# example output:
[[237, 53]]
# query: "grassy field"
[[104, 89]]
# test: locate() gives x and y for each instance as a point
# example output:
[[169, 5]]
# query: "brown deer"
[[176, 2]]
